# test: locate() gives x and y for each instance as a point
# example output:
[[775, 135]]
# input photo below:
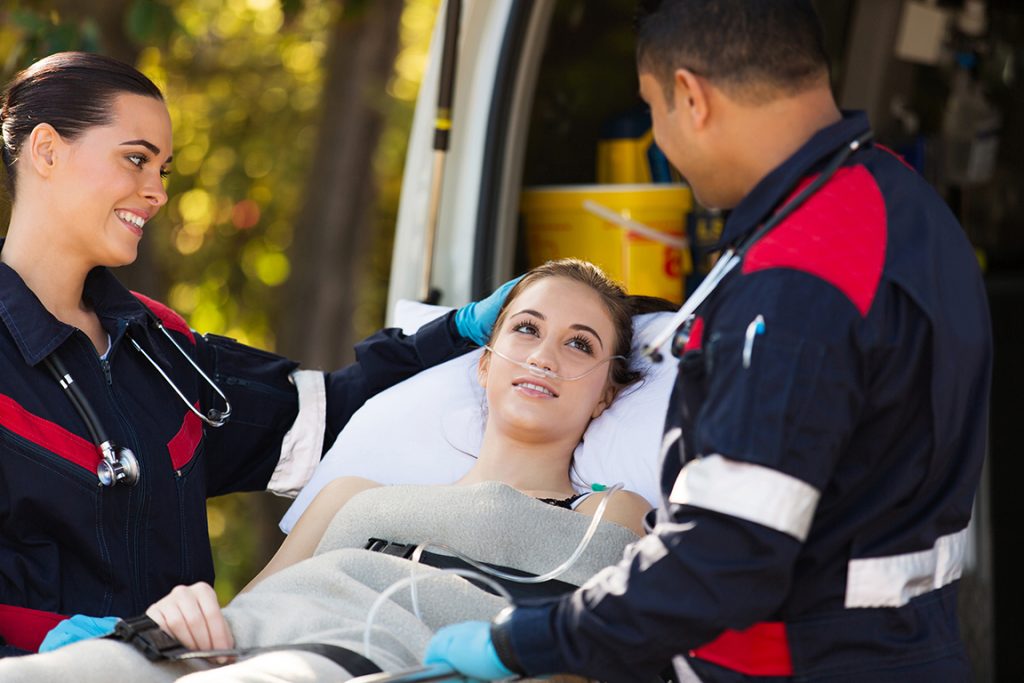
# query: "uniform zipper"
[[137, 497]]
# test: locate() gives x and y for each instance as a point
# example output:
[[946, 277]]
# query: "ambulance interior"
[[939, 81]]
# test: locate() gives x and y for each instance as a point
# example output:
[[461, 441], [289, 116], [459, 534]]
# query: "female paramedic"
[[557, 358], [116, 420]]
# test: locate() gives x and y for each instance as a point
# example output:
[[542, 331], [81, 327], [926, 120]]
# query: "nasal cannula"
[[538, 371]]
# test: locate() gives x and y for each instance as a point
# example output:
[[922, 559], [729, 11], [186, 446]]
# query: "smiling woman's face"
[[108, 182], [563, 326]]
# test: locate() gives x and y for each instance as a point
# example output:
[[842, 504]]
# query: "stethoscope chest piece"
[[118, 466], [682, 337]]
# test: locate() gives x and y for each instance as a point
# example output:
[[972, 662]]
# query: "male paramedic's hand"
[[468, 649], [79, 627], [476, 319], [192, 615]]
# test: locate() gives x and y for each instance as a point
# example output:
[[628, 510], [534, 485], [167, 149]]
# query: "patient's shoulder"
[[332, 497], [346, 486], [625, 508]]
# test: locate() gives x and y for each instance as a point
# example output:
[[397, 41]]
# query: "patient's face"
[[561, 325]]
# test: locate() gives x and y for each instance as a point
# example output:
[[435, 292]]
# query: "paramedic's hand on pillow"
[[476, 319], [78, 627], [468, 649], [192, 615]]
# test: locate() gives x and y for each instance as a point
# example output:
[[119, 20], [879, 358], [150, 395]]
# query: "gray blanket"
[[326, 598]]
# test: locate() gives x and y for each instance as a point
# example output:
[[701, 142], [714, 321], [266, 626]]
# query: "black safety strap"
[[520, 591], [349, 660], [146, 637]]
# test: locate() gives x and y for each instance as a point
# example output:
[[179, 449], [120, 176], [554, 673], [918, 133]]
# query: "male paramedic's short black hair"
[[754, 50]]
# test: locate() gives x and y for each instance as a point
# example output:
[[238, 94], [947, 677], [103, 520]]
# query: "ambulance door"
[[500, 44]]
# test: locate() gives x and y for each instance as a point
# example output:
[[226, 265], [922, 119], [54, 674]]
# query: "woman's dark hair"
[[71, 91], [752, 49], [620, 306]]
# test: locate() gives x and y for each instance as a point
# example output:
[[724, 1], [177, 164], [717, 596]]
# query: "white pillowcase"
[[423, 430]]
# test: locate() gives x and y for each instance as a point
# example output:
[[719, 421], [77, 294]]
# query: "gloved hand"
[[467, 648], [476, 319], [78, 627]]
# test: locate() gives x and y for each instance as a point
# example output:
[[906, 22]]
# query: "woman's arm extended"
[[625, 508], [307, 532], [192, 615]]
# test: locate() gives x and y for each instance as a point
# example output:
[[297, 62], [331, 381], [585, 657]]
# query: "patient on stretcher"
[[556, 359]]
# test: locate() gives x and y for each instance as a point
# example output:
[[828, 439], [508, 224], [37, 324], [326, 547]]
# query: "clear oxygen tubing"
[[538, 371], [411, 580], [497, 573], [548, 576], [414, 578]]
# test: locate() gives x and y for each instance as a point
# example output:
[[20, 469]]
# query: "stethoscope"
[[734, 256], [118, 465]]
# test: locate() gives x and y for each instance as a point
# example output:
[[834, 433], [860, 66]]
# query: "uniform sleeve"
[[283, 419], [779, 405]]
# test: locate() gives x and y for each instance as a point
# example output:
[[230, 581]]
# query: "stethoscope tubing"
[[214, 417], [82, 405], [121, 460]]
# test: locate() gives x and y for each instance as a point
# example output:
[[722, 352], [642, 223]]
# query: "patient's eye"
[[581, 343], [526, 327]]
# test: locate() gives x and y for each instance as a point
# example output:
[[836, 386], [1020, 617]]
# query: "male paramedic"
[[826, 433]]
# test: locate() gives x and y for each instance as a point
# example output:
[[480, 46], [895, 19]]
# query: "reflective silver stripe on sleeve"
[[894, 580], [303, 445], [669, 439], [752, 492]]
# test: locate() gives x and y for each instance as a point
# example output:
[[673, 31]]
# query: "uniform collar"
[[37, 333], [780, 183]]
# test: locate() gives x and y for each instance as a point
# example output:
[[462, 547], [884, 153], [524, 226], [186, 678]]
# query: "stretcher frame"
[[428, 673]]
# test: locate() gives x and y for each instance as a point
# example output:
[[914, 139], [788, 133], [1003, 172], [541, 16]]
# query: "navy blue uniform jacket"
[[815, 497], [68, 545]]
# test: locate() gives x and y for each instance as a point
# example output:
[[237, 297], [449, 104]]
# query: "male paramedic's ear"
[[691, 93], [475, 320], [78, 627]]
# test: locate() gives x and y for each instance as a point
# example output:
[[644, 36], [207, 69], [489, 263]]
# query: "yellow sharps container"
[[592, 222]]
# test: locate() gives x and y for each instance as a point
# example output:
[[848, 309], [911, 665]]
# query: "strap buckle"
[[144, 635], [379, 545]]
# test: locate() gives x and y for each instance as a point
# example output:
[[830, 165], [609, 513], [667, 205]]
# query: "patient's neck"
[[531, 467]]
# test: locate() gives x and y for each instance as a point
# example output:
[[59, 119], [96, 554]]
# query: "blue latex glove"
[[476, 319], [467, 648], [78, 627]]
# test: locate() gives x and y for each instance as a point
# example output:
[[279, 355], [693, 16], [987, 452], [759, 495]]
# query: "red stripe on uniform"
[[696, 340], [898, 156], [25, 628], [48, 435], [761, 650], [839, 235], [170, 318], [183, 446]]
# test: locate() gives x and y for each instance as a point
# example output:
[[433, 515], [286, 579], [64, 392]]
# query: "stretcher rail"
[[421, 674]]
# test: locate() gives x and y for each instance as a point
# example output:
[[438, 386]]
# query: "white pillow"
[[424, 430]]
